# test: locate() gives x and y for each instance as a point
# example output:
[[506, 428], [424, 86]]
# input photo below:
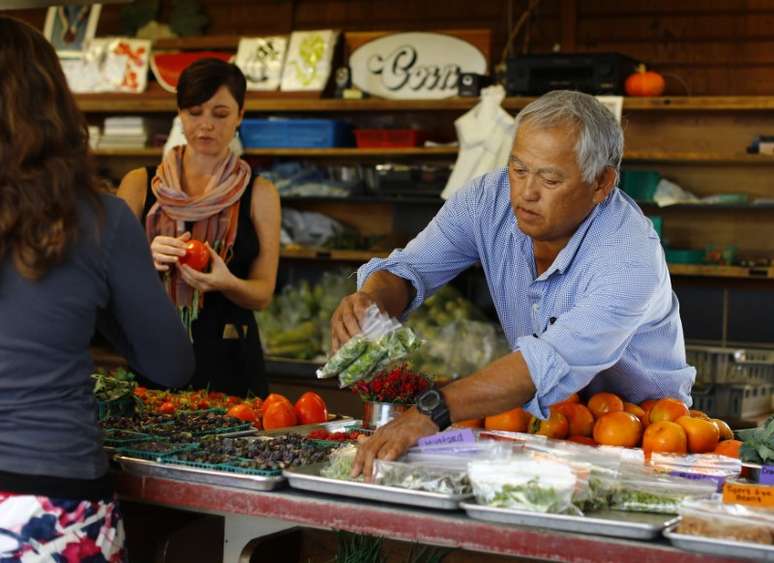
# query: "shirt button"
[[535, 307]]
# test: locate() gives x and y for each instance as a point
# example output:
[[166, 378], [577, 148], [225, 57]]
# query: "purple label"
[[767, 475], [718, 479], [450, 437]]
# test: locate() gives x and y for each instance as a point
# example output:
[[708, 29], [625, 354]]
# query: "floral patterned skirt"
[[44, 529]]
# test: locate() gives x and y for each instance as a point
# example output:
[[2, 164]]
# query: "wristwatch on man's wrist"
[[432, 403]]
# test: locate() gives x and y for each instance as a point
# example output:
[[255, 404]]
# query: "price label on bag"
[[717, 479], [749, 494]]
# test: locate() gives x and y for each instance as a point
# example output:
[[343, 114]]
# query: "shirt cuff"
[[400, 269], [548, 370]]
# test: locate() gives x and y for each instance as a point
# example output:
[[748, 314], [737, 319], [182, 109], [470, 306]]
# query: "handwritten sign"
[[753, 495], [448, 438], [414, 65]]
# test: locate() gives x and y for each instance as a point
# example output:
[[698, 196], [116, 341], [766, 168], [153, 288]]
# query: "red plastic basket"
[[396, 138]]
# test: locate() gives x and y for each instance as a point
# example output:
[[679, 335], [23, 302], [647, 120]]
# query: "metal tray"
[[197, 475], [716, 546], [332, 426], [308, 478], [631, 525]]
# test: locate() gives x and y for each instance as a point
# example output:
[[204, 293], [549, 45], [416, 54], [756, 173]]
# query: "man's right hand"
[[167, 251], [345, 322]]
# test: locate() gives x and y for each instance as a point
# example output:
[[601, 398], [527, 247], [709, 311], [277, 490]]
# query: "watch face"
[[429, 400]]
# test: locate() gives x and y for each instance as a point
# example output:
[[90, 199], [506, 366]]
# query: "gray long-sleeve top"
[[48, 415]]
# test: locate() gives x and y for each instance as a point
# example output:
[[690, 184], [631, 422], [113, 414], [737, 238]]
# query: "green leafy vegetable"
[[529, 496]]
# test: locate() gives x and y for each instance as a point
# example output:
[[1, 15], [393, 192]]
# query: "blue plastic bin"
[[295, 133], [640, 184]]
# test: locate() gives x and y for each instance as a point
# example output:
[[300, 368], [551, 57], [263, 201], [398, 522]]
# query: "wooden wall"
[[707, 47]]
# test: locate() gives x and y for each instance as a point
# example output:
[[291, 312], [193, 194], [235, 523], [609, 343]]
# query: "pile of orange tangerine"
[[657, 425]]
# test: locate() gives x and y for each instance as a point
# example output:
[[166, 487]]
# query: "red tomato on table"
[[196, 255], [311, 409]]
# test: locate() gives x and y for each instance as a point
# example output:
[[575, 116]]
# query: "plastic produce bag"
[[735, 522], [643, 490], [340, 463], [422, 477], [706, 467], [524, 483], [382, 342], [457, 456]]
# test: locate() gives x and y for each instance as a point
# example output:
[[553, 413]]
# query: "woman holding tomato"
[[72, 259], [203, 204]]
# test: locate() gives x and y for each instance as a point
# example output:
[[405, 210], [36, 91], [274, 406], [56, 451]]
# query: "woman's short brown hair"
[[201, 79], [45, 165]]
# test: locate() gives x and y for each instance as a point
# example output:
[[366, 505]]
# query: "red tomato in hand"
[[311, 409], [197, 256]]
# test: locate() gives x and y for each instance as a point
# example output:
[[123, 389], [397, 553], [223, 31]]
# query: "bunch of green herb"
[[340, 463], [113, 386], [640, 501], [529, 496], [422, 478], [758, 445], [359, 548]]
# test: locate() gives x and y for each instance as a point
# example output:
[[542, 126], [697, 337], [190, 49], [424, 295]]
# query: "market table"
[[252, 514]]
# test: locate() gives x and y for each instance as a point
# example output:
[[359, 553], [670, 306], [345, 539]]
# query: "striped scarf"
[[214, 213]]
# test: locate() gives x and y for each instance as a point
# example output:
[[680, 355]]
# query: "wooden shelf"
[[334, 255], [709, 271], [700, 157], [700, 270], [348, 152], [147, 151], [156, 100], [354, 152]]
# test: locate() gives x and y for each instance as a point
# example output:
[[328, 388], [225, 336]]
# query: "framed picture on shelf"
[[69, 28]]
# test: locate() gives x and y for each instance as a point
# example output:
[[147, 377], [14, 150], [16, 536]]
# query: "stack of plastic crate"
[[732, 382]]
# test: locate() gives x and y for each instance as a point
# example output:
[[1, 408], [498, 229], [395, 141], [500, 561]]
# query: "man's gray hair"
[[600, 137]]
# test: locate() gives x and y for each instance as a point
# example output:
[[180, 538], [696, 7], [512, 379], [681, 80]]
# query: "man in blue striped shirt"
[[576, 272]]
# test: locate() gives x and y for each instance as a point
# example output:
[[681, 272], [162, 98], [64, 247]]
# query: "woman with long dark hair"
[[71, 259], [202, 190]]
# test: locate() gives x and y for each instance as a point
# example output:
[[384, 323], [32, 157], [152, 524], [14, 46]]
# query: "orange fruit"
[[469, 423], [703, 435], [603, 403], [698, 414], [618, 429], [585, 440], [580, 419], [664, 437], [514, 420], [637, 411], [279, 415], [725, 430], [728, 448], [667, 410], [555, 426], [647, 405], [574, 398]]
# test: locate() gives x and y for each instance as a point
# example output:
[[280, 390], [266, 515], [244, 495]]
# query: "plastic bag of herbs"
[[422, 477], [382, 342], [525, 483], [598, 469], [641, 489]]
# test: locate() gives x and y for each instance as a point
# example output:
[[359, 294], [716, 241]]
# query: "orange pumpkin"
[[645, 83]]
